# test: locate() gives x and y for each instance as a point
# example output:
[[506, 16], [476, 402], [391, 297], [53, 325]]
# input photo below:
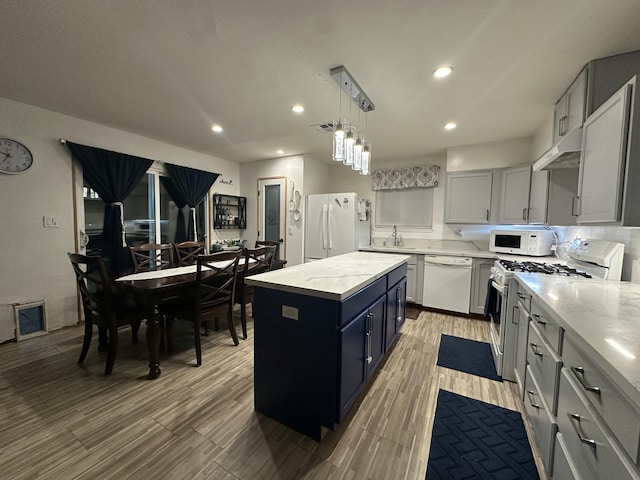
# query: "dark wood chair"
[[102, 308], [277, 263], [185, 253], [256, 260], [216, 279], [151, 256]]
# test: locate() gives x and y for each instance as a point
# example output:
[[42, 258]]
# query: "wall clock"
[[14, 156]]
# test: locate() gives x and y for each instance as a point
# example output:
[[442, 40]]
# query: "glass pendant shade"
[[338, 142], [366, 159], [357, 154], [349, 141]]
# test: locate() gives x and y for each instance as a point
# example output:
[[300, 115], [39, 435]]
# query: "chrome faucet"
[[394, 235]]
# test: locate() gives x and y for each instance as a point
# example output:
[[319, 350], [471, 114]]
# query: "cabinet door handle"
[[534, 349], [574, 209], [369, 357], [515, 315], [399, 316], [524, 214], [521, 296], [575, 422], [531, 394], [579, 373], [487, 214], [538, 319]]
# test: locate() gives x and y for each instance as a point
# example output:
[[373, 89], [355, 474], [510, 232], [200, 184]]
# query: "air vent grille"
[[326, 127]]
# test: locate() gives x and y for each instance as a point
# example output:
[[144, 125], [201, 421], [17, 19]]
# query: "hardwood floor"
[[60, 420]]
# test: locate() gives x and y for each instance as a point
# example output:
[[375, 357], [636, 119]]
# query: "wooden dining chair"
[[277, 263], [102, 308], [256, 260], [185, 253], [216, 278], [151, 256]]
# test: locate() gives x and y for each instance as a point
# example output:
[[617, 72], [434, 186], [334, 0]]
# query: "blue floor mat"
[[474, 439], [469, 356]]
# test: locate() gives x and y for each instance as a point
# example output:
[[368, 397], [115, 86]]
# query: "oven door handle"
[[499, 288]]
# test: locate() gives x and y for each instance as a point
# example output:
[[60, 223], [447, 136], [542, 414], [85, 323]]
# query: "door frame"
[[281, 181]]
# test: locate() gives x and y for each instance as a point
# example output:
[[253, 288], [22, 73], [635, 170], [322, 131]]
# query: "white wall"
[[290, 167], [33, 260], [507, 153]]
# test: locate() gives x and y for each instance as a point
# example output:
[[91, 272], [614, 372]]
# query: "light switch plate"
[[50, 221]]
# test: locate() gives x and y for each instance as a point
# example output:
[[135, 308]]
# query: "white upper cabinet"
[[538, 197], [523, 198], [603, 159], [514, 198], [569, 110], [468, 197]]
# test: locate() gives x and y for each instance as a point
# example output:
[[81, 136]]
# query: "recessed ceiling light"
[[298, 108], [216, 128], [443, 72], [450, 126], [280, 152]]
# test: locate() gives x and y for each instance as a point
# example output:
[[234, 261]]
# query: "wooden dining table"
[[158, 286]]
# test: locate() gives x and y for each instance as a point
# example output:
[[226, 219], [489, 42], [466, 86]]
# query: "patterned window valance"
[[410, 177]]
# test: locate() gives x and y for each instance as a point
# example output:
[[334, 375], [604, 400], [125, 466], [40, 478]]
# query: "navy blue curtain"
[[113, 176], [193, 185], [181, 202]]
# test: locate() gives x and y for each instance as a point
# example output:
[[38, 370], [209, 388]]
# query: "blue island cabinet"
[[313, 356]]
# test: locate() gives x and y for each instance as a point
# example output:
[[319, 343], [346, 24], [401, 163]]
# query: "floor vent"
[[326, 127], [31, 319]]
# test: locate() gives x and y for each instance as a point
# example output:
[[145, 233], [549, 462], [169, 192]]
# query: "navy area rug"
[[469, 356], [474, 439]]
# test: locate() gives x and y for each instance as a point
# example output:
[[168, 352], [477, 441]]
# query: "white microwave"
[[535, 243]]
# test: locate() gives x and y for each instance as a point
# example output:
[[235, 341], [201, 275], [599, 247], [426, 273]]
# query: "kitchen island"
[[321, 330]]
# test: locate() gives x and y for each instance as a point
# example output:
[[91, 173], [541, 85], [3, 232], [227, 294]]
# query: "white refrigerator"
[[336, 223]]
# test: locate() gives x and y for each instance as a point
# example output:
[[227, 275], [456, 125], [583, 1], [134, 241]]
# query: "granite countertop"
[[334, 278], [602, 317]]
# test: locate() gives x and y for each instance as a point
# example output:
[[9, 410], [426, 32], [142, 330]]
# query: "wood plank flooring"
[[59, 420]]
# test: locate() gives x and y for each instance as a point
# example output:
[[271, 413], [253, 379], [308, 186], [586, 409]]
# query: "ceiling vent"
[[326, 127]]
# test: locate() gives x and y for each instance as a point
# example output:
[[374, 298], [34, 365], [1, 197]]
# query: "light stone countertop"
[[440, 249], [598, 315], [334, 278]]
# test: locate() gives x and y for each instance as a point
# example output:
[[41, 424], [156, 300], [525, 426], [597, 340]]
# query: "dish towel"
[[362, 209], [491, 302]]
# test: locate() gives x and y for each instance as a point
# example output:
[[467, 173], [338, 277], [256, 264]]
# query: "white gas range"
[[585, 258]]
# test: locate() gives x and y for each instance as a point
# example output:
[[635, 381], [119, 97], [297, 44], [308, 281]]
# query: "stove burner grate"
[[546, 268]]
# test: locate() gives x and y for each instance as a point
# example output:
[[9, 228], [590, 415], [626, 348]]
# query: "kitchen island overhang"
[[321, 330]]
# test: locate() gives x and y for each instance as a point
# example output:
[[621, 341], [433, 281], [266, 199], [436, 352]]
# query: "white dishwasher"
[[447, 283]]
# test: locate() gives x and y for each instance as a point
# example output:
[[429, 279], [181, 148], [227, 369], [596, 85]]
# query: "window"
[[409, 207], [140, 220]]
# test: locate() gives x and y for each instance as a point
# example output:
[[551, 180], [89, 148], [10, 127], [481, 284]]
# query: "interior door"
[[271, 211]]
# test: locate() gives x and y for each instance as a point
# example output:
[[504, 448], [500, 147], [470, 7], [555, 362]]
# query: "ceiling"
[[168, 69]]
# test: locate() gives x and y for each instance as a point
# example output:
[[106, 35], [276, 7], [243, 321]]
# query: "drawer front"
[[524, 297], [395, 275], [589, 443], [619, 415], [354, 305], [542, 422], [549, 328], [545, 366], [563, 466]]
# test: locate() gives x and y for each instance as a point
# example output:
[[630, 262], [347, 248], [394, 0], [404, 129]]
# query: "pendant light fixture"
[[350, 146]]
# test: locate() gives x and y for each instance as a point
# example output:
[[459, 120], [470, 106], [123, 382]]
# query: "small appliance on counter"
[[534, 243], [585, 259]]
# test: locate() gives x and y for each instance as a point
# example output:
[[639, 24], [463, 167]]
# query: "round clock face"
[[14, 156]]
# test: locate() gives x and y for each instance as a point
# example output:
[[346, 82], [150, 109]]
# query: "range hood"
[[564, 154]]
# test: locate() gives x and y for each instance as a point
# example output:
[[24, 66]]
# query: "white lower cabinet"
[[545, 364], [591, 446], [563, 466], [542, 420]]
